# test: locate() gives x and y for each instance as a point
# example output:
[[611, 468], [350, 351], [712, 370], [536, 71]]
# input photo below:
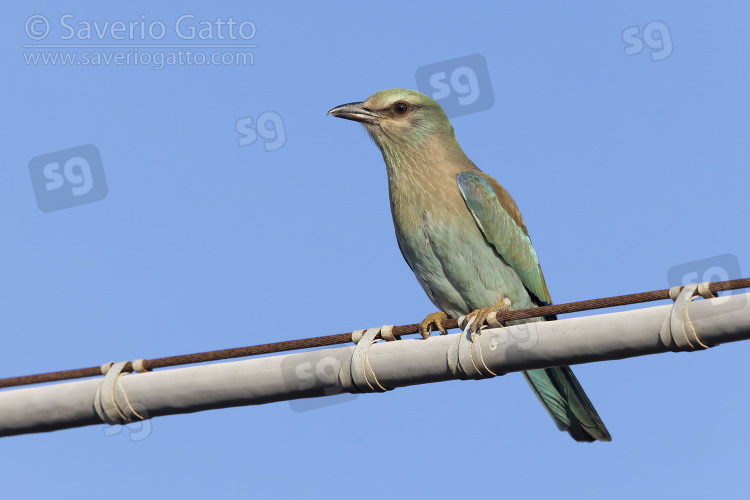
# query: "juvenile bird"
[[463, 236]]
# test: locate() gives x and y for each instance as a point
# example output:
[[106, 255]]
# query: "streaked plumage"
[[462, 234]]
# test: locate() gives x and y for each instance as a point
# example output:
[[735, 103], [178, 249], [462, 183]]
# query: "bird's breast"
[[456, 266]]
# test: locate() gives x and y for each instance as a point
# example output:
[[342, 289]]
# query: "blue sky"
[[192, 236]]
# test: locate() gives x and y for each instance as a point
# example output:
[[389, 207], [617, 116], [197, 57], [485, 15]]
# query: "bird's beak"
[[356, 111]]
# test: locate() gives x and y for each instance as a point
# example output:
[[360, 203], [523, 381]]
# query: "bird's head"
[[397, 118]]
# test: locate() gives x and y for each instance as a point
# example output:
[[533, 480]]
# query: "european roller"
[[463, 236]]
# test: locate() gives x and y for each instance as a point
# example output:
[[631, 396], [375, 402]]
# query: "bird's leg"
[[480, 315], [425, 327]]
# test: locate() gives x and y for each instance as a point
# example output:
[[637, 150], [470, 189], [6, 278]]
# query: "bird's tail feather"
[[563, 397]]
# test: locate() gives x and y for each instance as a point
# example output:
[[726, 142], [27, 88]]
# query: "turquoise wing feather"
[[499, 228], [500, 221]]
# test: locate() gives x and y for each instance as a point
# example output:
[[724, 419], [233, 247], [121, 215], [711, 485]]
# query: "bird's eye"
[[400, 108]]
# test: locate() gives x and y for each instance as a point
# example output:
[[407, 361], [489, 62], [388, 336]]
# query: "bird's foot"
[[434, 319], [480, 315]]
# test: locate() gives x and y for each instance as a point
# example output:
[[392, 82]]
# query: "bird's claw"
[[434, 319], [480, 315]]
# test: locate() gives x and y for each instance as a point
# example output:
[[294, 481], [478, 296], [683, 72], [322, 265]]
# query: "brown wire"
[[343, 338]]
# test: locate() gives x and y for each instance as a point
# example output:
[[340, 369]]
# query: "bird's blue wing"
[[500, 221], [504, 231]]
